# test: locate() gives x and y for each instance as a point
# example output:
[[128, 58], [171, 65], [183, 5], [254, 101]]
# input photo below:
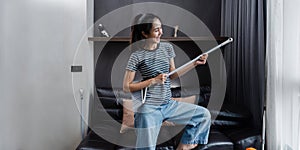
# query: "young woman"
[[154, 60]]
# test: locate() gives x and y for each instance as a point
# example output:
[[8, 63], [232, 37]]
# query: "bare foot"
[[186, 146]]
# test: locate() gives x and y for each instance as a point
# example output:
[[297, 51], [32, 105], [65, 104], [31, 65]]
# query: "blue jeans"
[[148, 120]]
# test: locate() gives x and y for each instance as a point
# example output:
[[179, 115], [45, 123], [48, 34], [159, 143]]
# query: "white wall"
[[38, 40]]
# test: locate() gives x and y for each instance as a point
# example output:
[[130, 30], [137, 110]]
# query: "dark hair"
[[141, 23]]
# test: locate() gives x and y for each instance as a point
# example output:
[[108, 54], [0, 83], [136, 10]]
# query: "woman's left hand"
[[202, 60]]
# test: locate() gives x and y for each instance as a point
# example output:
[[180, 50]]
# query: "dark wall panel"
[[209, 11]]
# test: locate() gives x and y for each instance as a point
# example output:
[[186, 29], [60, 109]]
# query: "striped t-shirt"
[[151, 63]]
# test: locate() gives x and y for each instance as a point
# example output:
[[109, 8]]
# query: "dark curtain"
[[244, 20]]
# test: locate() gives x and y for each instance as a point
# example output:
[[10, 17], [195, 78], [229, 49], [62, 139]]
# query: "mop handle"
[[198, 57]]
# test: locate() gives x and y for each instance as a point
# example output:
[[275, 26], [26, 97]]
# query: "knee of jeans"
[[208, 116], [205, 114]]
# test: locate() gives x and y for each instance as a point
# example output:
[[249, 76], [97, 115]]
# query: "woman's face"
[[155, 32]]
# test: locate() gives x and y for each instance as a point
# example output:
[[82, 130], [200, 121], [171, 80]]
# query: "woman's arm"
[[130, 86], [187, 68]]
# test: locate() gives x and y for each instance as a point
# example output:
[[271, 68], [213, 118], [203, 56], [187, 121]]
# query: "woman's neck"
[[152, 46]]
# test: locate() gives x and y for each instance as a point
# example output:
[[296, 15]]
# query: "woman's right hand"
[[160, 79]]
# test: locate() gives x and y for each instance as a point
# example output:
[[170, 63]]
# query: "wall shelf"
[[171, 39]]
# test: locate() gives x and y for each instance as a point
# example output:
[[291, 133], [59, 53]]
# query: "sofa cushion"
[[128, 116], [164, 141], [217, 141], [231, 116], [113, 93], [244, 137], [93, 142]]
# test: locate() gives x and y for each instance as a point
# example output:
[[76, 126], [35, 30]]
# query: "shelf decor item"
[[102, 31], [175, 30]]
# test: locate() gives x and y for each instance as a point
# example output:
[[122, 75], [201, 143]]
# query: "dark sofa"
[[232, 126], [230, 130]]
